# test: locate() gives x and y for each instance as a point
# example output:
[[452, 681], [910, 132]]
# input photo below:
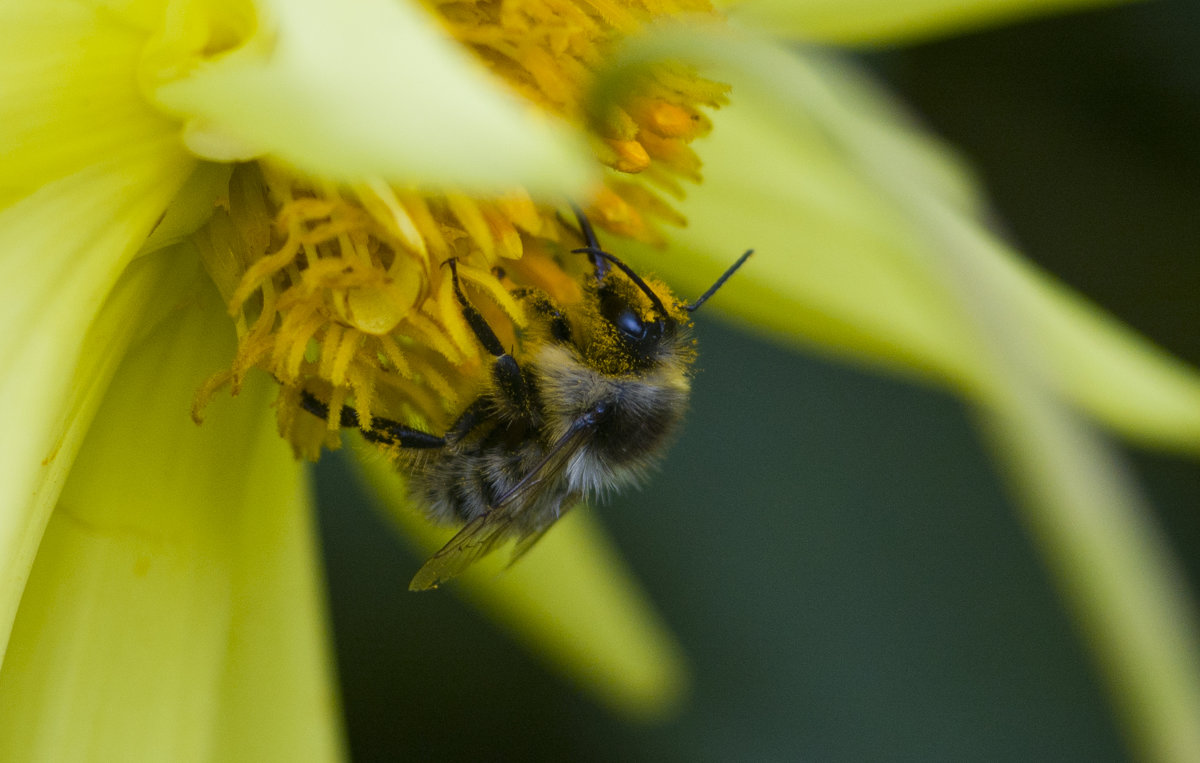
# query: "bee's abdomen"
[[448, 493], [468, 480]]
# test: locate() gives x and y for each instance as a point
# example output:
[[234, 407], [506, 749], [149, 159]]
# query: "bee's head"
[[637, 323], [635, 326], [631, 325]]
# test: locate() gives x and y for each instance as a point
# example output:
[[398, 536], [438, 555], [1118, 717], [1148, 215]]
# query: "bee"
[[600, 389]]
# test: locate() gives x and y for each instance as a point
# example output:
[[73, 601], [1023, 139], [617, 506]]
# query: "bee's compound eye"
[[629, 324], [617, 311], [638, 336]]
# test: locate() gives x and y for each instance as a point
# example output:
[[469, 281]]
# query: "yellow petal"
[[571, 599], [1097, 533], [61, 250], [173, 612], [841, 264], [192, 206], [1031, 347], [369, 89], [145, 15], [70, 95], [873, 21]]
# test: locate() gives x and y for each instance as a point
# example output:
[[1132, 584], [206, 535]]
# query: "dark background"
[[834, 550]]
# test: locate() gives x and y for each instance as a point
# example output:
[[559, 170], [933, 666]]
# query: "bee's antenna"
[[637, 280], [585, 227], [599, 266], [720, 282]]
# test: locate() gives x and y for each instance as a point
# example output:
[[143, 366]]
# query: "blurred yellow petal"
[[61, 250], [173, 610], [192, 206], [842, 264], [69, 97], [1021, 346], [876, 21], [571, 599], [145, 15], [363, 90], [1096, 531]]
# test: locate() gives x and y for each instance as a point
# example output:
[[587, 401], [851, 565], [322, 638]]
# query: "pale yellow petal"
[[192, 206], [68, 93], [369, 89], [278, 697], [1034, 350], [876, 21], [146, 15], [61, 251], [571, 599], [842, 265], [1097, 532], [173, 610]]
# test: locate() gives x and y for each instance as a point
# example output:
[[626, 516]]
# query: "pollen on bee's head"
[[676, 311]]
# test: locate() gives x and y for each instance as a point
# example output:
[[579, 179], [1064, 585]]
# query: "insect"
[[599, 390]]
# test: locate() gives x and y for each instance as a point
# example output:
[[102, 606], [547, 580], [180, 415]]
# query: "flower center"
[[342, 293], [548, 50]]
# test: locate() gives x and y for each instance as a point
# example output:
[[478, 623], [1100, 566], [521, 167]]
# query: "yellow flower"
[[192, 190]]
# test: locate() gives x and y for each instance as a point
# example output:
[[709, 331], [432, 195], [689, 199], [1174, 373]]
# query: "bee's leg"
[[384, 431], [545, 307], [475, 414], [505, 371]]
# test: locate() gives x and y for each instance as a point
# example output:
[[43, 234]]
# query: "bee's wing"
[[483, 534], [550, 467], [479, 537]]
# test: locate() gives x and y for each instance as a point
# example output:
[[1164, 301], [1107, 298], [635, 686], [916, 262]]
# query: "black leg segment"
[[510, 382], [483, 332], [383, 431], [475, 415]]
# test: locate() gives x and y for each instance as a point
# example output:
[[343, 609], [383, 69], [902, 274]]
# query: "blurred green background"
[[833, 548]]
